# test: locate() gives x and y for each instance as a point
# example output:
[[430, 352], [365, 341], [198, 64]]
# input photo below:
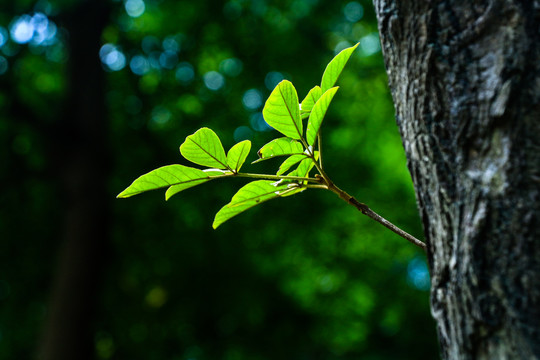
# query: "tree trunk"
[[81, 157], [465, 79]]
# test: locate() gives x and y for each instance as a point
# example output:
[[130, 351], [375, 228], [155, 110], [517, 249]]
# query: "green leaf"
[[238, 154], [335, 67], [252, 194], [279, 147], [305, 166], [169, 175], [317, 115], [310, 99], [290, 161], [214, 173], [282, 111], [204, 148]]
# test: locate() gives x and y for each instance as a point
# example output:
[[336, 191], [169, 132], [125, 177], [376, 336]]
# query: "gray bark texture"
[[465, 79]]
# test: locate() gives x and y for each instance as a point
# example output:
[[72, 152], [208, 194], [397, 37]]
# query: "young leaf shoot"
[[282, 112]]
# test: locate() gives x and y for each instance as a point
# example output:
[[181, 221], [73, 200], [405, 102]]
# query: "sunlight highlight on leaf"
[[171, 175], [289, 162], [250, 195], [282, 111], [309, 101], [305, 166], [279, 147], [237, 155], [317, 115], [204, 148], [335, 67]]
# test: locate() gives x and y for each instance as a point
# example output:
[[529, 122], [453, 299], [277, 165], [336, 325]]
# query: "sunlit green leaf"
[[170, 175], [279, 147], [250, 195], [210, 173], [317, 115], [282, 111], [237, 155], [310, 99], [204, 148], [305, 166], [290, 161], [335, 67]]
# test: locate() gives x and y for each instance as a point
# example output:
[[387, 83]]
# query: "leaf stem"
[[319, 145], [276, 177], [364, 209]]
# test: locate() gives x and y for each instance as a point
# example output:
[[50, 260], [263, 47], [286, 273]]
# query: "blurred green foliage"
[[318, 281]]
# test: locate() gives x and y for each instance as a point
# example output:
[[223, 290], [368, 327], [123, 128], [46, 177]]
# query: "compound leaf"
[[317, 115], [204, 148], [279, 147], [252, 194], [335, 67], [282, 111], [238, 154], [170, 175]]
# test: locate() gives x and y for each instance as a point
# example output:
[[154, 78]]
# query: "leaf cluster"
[[300, 145]]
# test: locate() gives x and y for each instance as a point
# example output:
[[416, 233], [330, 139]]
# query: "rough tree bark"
[[465, 79]]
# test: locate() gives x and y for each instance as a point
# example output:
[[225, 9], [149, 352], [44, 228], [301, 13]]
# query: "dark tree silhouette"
[[80, 153]]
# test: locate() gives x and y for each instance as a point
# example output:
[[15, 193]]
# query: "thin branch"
[[364, 209], [276, 177]]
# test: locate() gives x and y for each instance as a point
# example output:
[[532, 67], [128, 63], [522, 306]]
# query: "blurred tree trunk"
[[465, 79], [80, 141]]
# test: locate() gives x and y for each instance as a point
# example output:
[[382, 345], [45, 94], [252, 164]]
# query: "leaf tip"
[[122, 195]]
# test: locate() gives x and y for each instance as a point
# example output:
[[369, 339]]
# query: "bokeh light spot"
[[161, 115], [341, 45], [134, 8], [353, 11], [231, 67], [232, 10], [171, 44], [3, 36], [139, 65], [370, 44], [112, 58], [22, 29], [258, 123], [242, 133], [418, 274], [213, 80], [252, 99], [184, 73], [272, 79], [157, 297], [39, 22], [190, 104], [104, 346], [168, 59]]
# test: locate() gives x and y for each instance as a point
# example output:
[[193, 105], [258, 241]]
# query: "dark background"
[[94, 94]]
